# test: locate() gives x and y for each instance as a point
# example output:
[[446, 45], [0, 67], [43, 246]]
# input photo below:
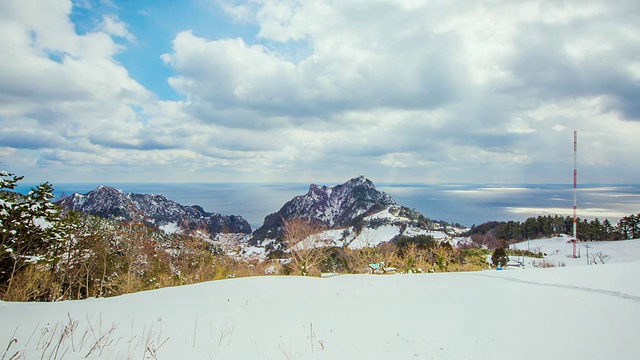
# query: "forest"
[[490, 233]]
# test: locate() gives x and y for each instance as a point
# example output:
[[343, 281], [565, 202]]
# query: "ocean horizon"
[[465, 204]]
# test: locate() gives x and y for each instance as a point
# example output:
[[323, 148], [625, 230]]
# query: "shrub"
[[377, 222], [518, 252], [422, 242], [499, 257], [544, 264], [33, 284], [475, 257]]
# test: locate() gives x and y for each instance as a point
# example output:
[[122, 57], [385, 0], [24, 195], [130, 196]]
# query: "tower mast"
[[575, 191]]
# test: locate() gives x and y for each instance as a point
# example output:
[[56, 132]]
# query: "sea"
[[464, 204]]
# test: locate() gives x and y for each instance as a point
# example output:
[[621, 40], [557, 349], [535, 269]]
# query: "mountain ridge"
[[154, 209]]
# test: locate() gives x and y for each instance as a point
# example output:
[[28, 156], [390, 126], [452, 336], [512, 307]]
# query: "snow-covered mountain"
[[109, 202], [355, 215], [333, 206]]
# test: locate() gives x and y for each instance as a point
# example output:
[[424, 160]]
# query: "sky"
[[319, 91]]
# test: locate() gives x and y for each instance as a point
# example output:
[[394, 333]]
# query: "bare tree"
[[305, 244], [477, 240], [490, 240], [599, 257]]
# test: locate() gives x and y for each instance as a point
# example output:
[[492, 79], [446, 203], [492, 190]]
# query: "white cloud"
[[518, 126], [61, 90], [113, 26], [324, 89], [230, 73], [239, 12]]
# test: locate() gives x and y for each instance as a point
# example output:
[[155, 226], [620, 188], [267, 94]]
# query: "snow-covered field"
[[573, 312], [559, 251]]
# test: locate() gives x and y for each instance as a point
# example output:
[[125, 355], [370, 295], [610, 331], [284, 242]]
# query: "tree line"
[[490, 233]]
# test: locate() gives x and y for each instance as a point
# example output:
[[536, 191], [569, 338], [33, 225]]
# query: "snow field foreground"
[[559, 313]]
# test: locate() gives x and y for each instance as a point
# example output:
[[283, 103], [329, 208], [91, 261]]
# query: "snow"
[[560, 250], [369, 237], [42, 223], [385, 214], [170, 228], [573, 312], [438, 235], [374, 236]]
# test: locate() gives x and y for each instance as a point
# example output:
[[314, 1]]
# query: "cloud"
[[113, 26], [230, 73], [396, 90], [237, 10], [30, 139], [349, 68], [68, 86]]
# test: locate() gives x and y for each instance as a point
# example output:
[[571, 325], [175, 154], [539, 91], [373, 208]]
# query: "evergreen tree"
[[499, 257], [609, 230], [32, 230]]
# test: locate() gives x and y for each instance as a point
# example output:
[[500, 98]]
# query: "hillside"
[[386, 225], [355, 214], [155, 209], [575, 312], [559, 251]]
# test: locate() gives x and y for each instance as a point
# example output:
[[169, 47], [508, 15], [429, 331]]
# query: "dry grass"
[[545, 263], [33, 283], [88, 339]]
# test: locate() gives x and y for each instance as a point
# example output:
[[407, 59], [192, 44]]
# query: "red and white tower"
[[575, 192]]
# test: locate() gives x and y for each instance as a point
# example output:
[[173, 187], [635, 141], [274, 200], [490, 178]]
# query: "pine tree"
[[499, 257], [32, 229]]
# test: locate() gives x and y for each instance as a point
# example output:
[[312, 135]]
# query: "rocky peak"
[[334, 206], [104, 201], [107, 189]]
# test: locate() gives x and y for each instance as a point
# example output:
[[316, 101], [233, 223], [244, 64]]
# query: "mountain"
[[333, 206], [155, 209]]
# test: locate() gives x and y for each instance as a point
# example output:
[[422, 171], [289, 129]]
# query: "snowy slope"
[[371, 236], [559, 250], [559, 313]]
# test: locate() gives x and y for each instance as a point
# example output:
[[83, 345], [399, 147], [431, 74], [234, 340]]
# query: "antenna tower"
[[575, 192]]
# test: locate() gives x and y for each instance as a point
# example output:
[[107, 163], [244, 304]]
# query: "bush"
[[476, 257], [377, 222], [422, 242], [32, 283], [335, 261], [518, 252], [499, 257]]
